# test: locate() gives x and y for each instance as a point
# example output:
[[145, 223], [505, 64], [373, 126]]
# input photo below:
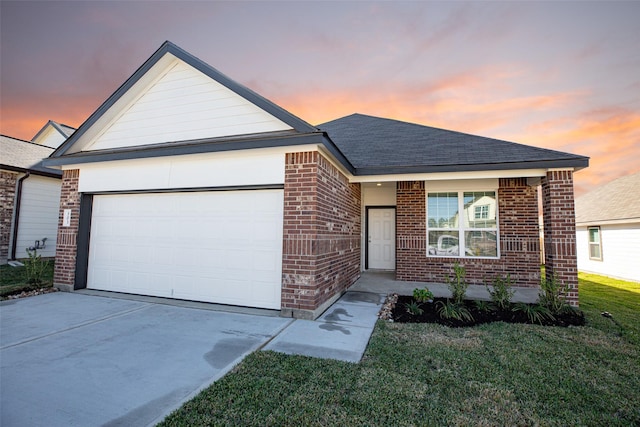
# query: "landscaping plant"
[[502, 292], [414, 308], [423, 295], [553, 295], [458, 285], [35, 267]]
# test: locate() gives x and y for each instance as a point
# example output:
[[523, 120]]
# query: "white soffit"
[[175, 102]]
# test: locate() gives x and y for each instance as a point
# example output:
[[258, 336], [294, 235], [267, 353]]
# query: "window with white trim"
[[462, 224], [595, 244]]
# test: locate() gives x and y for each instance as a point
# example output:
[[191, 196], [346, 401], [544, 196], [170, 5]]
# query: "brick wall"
[[66, 245], [558, 212], [7, 200], [321, 247], [518, 231]]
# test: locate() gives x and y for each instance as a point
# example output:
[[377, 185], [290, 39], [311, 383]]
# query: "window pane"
[[443, 243], [442, 210], [481, 243], [594, 235], [594, 251], [480, 209]]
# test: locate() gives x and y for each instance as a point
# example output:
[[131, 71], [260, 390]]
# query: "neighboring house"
[[608, 229], [185, 184], [30, 193], [53, 134]]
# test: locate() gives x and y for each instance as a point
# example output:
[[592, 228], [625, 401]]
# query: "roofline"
[[577, 164], [53, 174], [198, 146], [611, 221], [53, 124], [168, 47]]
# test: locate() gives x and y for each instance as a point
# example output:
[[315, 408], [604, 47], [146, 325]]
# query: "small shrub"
[[484, 306], [536, 313], [414, 308], [423, 295], [553, 295], [457, 285], [453, 310], [35, 267], [502, 292]]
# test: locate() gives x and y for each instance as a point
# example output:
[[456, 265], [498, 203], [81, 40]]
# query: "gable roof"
[[168, 48], [61, 130], [616, 201], [384, 146], [25, 156]]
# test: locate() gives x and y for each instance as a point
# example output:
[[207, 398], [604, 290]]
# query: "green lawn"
[[14, 279], [425, 374]]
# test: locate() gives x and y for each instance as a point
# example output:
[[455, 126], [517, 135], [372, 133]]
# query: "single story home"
[[608, 229], [30, 193], [186, 184]]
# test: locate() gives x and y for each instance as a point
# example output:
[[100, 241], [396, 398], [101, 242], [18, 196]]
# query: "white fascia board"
[[447, 176]]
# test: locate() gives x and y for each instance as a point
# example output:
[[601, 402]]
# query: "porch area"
[[384, 282]]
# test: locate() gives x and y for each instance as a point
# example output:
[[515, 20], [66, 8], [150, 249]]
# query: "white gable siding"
[[620, 251], [185, 104], [38, 215], [50, 138]]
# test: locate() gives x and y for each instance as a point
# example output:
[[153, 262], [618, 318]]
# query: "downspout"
[[16, 220]]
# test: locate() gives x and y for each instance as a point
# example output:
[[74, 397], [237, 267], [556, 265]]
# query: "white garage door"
[[223, 247]]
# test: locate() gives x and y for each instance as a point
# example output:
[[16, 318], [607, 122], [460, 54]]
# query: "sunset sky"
[[560, 75]]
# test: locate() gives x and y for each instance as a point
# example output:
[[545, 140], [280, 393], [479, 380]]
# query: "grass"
[[427, 374], [618, 297], [14, 279]]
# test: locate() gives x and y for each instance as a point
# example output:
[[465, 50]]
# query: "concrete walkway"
[[341, 333], [383, 282]]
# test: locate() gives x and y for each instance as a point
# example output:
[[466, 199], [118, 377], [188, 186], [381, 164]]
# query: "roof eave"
[[52, 174], [576, 163]]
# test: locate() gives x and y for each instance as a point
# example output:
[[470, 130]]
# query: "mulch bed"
[[29, 293], [395, 309]]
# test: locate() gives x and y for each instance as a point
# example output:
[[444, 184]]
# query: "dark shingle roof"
[[615, 201], [376, 146], [19, 155]]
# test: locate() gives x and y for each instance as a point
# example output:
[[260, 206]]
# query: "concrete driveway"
[[81, 360]]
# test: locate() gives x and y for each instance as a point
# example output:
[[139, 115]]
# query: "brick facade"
[[558, 210], [518, 233], [66, 245], [321, 247], [7, 199]]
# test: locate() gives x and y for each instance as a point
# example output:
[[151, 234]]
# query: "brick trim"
[[558, 209], [321, 235], [66, 245], [518, 234], [8, 181]]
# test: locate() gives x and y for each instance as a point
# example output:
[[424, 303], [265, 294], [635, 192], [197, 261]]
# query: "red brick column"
[[560, 231], [7, 200], [66, 245], [321, 234]]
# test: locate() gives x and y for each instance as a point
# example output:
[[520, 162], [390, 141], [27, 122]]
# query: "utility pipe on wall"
[[16, 220]]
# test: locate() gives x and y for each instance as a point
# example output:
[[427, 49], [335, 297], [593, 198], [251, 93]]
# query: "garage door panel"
[[223, 247]]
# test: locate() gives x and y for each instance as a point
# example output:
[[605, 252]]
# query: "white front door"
[[382, 238]]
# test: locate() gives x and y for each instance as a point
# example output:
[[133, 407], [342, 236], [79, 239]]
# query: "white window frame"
[[598, 243], [461, 228], [481, 212]]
